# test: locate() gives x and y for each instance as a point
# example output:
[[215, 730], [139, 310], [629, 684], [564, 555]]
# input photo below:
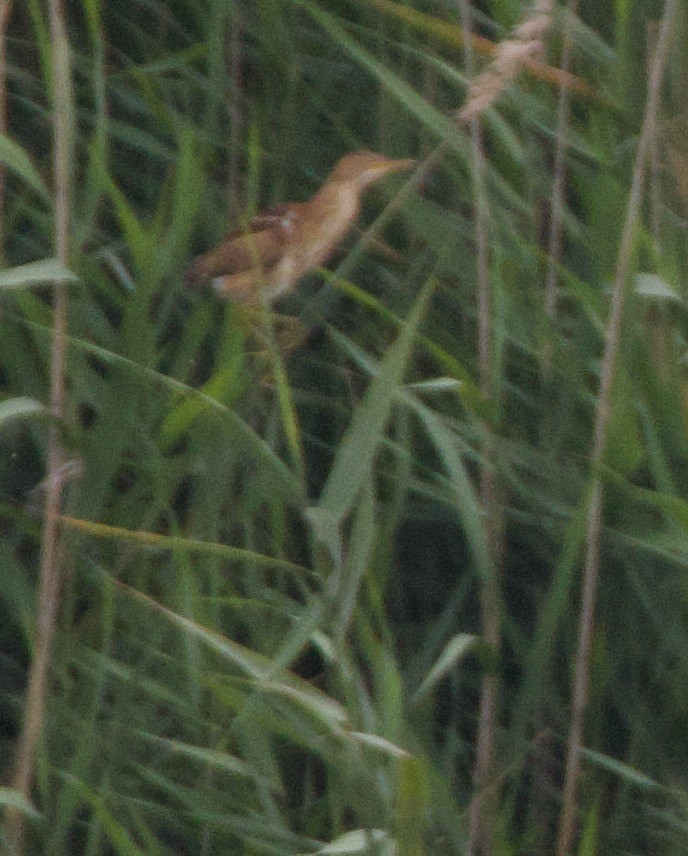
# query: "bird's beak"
[[384, 167], [394, 166]]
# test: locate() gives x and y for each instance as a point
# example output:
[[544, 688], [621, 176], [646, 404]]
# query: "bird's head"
[[363, 168]]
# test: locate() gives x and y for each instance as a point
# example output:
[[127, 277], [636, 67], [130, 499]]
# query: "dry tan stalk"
[[486, 795], [5, 12], [557, 210], [235, 48], [603, 414], [51, 558], [450, 34], [511, 58]]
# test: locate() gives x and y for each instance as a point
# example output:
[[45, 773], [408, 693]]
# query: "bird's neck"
[[342, 192]]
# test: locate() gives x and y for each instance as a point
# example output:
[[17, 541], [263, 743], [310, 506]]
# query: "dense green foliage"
[[269, 627]]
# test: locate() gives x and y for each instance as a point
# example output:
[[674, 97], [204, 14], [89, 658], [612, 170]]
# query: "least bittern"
[[280, 246]]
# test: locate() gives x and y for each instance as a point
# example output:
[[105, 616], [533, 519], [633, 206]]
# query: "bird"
[[279, 246]]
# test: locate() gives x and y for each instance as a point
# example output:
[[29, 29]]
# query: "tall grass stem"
[[601, 428], [49, 573]]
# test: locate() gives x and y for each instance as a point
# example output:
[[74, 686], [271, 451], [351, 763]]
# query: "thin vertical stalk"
[[485, 800], [655, 167], [510, 58], [541, 815], [601, 427], [5, 12], [557, 212], [49, 583], [235, 129]]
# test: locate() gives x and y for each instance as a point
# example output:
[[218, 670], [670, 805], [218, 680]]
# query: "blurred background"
[[331, 597]]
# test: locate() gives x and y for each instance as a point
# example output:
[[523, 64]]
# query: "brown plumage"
[[283, 244]]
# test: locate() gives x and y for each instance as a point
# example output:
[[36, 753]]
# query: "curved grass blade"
[[13, 156], [176, 543], [36, 273]]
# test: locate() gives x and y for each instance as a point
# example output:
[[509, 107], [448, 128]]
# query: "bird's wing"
[[260, 245], [282, 217]]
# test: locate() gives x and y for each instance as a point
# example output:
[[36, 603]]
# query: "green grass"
[[270, 629]]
